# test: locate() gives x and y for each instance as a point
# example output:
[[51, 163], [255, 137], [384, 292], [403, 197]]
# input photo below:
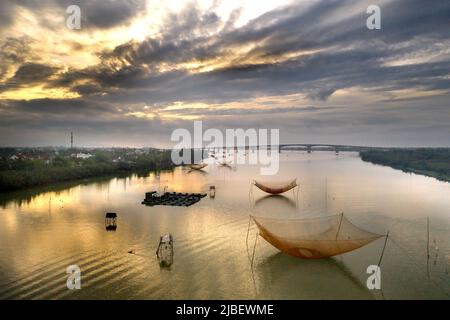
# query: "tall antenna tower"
[[71, 140]]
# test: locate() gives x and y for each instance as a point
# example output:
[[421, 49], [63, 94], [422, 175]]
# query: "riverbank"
[[425, 161], [19, 174]]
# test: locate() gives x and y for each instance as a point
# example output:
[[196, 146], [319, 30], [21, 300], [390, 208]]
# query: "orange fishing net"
[[276, 187], [314, 238]]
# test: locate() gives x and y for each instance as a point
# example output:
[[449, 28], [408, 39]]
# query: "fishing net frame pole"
[[385, 241], [384, 248]]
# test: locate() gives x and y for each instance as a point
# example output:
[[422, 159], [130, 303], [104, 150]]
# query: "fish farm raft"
[[172, 199]]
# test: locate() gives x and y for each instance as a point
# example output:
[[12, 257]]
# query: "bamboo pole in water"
[[428, 237], [384, 247], [428, 247]]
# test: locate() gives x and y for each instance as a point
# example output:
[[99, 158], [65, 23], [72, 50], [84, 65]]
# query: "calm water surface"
[[43, 232]]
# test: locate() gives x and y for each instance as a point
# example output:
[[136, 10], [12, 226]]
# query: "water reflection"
[[276, 201], [197, 172], [44, 230], [28, 196], [314, 279]]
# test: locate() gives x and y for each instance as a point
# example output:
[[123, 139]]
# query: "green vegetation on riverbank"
[[29, 168], [433, 162]]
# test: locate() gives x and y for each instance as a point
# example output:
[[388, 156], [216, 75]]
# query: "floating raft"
[[172, 199]]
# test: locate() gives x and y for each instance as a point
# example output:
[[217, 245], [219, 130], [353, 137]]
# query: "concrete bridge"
[[309, 147]]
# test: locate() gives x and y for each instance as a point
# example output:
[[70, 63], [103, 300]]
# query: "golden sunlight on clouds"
[[199, 110], [140, 67], [142, 115], [173, 116], [181, 117], [56, 42], [235, 58], [38, 92], [52, 43], [180, 105]]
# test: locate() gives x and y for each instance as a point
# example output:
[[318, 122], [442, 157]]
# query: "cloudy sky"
[[138, 69]]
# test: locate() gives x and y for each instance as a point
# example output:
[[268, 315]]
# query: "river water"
[[43, 231]]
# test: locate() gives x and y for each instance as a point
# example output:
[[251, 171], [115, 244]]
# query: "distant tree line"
[[433, 162], [30, 171]]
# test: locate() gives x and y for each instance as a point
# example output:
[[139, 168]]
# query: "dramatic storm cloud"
[[136, 70]]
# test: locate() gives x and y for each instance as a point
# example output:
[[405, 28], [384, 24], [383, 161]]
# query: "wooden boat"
[[274, 187], [165, 251]]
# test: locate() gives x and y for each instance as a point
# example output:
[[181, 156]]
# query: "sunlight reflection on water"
[[42, 232]]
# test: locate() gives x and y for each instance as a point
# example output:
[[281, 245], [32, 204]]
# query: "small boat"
[[165, 251]]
